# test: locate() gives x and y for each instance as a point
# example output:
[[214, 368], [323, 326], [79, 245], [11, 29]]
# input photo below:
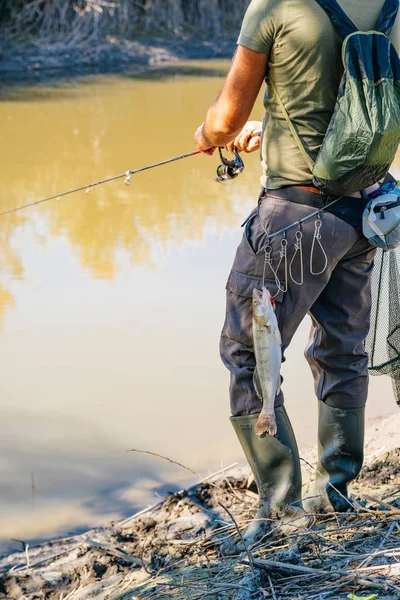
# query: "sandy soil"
[[172, 551]]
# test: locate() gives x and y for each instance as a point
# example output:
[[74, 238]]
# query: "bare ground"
[[172, 551]]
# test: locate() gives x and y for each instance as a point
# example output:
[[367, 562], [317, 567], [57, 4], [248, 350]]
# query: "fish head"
[[263, 307]]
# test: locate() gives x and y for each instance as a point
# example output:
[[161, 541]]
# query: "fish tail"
[[266, 423]]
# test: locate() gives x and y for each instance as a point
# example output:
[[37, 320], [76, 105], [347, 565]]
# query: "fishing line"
[[128, 174]]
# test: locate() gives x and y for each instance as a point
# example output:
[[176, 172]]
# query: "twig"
[[249, 554], [133, 560], [72, 594], [232, 490], [49, 559], [144, 566], [27, 556], [281, 566], [125, 587], [368, 560], [170, 460], [366, 583], [159, 504], [379, 502], [272, 587], [25, 548]]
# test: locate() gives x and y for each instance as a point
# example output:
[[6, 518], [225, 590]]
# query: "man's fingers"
[[253, 144], [209, 151], [241, 140], [246, 141]]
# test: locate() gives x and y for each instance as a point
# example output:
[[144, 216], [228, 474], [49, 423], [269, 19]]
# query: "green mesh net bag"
[[383, 342]]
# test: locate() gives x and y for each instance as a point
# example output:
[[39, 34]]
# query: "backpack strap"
[[388, 16], [341, 21], [293, 131]]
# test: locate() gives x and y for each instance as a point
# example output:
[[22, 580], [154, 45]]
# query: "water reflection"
[[92, 362], [57, 138], [112, 302]]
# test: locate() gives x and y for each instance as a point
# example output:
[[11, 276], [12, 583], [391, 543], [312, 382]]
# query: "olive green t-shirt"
[[304, 51]]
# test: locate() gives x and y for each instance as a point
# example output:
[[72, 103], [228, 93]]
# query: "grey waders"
[[275, 464], [340, 457]]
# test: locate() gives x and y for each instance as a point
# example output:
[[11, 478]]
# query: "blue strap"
[[388, 16], [341, 21]]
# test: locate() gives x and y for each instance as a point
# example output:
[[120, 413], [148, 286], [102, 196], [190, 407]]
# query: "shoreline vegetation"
[[171, 550], [38, 35]]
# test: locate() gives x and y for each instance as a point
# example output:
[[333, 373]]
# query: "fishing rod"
[[228, 169], [87, 188]]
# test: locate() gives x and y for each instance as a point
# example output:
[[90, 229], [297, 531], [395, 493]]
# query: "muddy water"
[[111, 302]]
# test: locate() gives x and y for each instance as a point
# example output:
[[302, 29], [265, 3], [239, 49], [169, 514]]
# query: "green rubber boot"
[[275, 464], [340, 457]]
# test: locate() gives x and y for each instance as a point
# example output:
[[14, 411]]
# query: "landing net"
[[383, 342]]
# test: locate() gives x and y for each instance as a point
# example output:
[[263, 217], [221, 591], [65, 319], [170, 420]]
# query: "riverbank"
[[172, 551], [40, 58]]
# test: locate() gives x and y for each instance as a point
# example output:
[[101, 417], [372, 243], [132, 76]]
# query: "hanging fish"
[[268, 352]]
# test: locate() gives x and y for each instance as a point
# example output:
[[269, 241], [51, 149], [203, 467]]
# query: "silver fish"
[[268, 352]]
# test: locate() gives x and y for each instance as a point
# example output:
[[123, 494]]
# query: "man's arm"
[[229, 113]]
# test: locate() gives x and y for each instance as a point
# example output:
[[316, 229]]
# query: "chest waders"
[[275, 464], [340, 458], [341, 431]]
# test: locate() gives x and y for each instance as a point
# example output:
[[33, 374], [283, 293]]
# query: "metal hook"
[[283, 257], [298, 245], [268, 262], [317, 240]]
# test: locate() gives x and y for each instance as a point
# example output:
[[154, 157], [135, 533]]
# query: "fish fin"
[[278, 384], [257, 384], [266, 423]]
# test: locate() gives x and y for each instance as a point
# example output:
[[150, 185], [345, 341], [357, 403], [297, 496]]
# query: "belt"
[[315, 190], [348, 209], [310, 188], [302, 195]]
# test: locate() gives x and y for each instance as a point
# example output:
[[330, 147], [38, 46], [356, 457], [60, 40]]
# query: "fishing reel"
[[229, 169]]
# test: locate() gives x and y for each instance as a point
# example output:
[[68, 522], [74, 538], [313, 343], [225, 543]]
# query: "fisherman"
[[294, 46]]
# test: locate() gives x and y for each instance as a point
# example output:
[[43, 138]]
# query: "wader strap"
[[338, 17], [293, 131], [388, 16], [345, 26]]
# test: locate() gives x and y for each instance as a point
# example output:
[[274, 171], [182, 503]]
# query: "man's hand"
[[201, 141], [229, 113], [248, 139]]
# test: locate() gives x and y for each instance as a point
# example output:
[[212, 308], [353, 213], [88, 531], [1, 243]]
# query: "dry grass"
[[172, 551], [339, 554]]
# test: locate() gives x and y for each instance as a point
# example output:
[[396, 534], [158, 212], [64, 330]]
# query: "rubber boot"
[[275, 464], [340, 458]]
